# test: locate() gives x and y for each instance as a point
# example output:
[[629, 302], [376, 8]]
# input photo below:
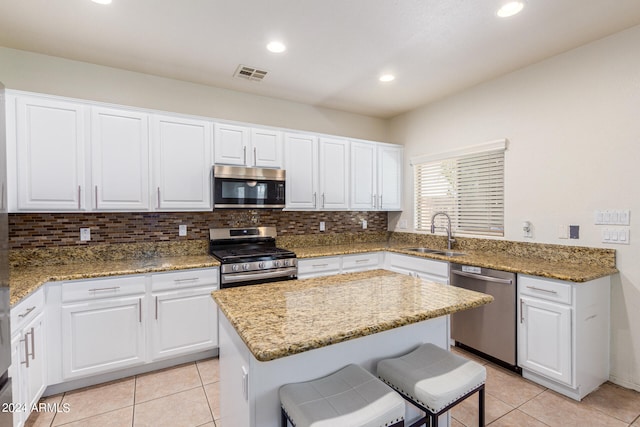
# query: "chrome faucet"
[[448, 228]]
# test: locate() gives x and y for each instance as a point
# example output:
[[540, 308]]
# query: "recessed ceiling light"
[[511, 8], [276, 47], [387, 78], [102, 1]]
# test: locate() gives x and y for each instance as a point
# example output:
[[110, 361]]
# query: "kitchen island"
[[291, 331]]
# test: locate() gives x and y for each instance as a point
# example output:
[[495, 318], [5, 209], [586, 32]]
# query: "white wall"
[[573, 125], [33, 72]]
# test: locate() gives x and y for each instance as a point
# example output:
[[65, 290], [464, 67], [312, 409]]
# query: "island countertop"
[[284, 318]]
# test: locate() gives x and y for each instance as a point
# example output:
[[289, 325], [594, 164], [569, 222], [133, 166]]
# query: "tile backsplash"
[[41, 230]]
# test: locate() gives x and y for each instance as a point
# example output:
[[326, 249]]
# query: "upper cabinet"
[[376, 176], [245, 146], [301, 164], [181, 159], [49, 144], [333, 174], [120, 159]]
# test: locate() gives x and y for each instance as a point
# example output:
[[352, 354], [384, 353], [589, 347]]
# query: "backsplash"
[[45, 230]]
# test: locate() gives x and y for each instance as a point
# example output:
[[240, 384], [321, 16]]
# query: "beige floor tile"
[[512, 389], [213, 397], [209, 370], [559, 411], [616, 401], [44, 418], [96, 400], [636, 424], [211, 424], [454, 423], [118, 418], [185, 409], [466, 412], [166, 381], [517, 418]]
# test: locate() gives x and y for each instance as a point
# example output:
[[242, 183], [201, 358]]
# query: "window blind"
[[468, 187]]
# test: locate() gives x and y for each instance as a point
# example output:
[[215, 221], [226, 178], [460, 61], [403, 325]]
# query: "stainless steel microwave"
[[240, 187]]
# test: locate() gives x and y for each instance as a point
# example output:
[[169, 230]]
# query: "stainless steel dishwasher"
[[489, 330]]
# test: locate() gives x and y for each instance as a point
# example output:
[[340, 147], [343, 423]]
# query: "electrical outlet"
[[364, 224], [402, 224], [322, 226], [85, 234], [182, 230]]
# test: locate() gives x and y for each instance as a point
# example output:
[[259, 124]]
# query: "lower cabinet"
[[563, 333], [28, 355], [183, 320], [329, 265], [428, 269]]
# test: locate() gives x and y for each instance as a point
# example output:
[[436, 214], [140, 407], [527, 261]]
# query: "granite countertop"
[[25, 280], [289, 317], [561, 269]]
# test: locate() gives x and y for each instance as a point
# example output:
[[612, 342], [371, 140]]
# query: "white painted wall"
[[573, 125], [33, 72]]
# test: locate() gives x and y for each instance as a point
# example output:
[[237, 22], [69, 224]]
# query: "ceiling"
[[337, 49]]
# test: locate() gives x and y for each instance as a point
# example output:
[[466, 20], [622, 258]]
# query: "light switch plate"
[[182, 230], [85, 234]]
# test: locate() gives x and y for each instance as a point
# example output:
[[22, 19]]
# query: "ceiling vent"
[[250, 73]]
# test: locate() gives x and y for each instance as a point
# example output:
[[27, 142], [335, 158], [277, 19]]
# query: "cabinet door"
[[334, 173], [231, 144], [363, 175], [544, 339], [50, 137], [36, 372], [301, 163], [120, 159], [102, 336], [266, 148], [389, 177], [182, 163], [17, 374], [184, 322]]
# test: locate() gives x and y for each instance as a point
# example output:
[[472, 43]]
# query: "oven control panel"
[[240, 267]]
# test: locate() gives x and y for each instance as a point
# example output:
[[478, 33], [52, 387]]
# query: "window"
[[467, 184]]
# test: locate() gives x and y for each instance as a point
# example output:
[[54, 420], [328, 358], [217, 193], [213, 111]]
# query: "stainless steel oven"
[[240, 187], [249, 256]]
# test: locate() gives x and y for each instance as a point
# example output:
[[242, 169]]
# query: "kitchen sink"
[[436, 252]]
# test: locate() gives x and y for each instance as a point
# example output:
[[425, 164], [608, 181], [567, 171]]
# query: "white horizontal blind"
[[469, 188]]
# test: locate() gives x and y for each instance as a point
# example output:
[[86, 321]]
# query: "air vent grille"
[[250, 73]]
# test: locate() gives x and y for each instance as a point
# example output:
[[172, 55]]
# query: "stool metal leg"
[[283, 417], [481, 405]]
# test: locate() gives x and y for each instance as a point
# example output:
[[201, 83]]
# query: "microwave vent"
[[250, 73]]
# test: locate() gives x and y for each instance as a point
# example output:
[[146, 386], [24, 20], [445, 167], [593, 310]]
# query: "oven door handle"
[[283, 272]]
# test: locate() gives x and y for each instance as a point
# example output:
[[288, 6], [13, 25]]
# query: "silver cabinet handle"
[[190, 279], [373, 201], [244, 155], [380, 206], [96, 197], [255, 157], [27, 311], [33, 344], [113, 288], [315, 205], [521, 311], [359, 261], [319, 265], [245, 384], [26, 350], [140, 310], [158, 197], [549, 291], [323, 200], [79, 196], [156, 308]]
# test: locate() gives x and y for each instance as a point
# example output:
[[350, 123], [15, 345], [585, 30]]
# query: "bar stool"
[[349, 397], [434, 380]]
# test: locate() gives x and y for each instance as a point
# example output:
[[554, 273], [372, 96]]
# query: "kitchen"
[[568, 119]]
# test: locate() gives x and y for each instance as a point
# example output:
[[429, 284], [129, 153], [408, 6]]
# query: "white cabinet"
[[245, 146], [28, 355], [333, 173], [362, 262], [563, 333], [120, 159], [319, 266], [182, 163], [103, 325], [428, 269], [185, 318], [301, 163], [376, 176], [49, 145]]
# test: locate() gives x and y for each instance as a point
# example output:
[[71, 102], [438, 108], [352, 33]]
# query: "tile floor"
[[187, 396]]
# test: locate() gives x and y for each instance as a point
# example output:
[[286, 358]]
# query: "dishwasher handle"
[[483, 277]]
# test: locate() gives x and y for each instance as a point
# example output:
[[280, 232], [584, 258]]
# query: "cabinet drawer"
[[396, 262], [547, 289], [318, 266], [26, 310], [365, 261], [103, 288], [184, 279]]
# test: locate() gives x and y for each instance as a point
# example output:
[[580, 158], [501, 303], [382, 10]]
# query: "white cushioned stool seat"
[[432, 376], [350, 397]]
